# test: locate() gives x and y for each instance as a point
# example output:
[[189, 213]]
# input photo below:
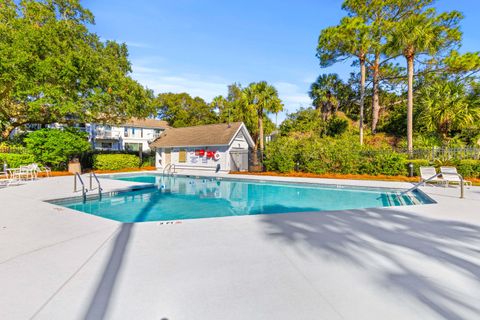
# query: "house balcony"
[[106, 135]]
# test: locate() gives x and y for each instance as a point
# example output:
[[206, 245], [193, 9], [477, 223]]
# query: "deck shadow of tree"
[[100, 300], [354, 236]]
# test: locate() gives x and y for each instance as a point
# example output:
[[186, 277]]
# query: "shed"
[[213, 147]]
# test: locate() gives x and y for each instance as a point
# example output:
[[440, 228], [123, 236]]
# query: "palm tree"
[[262, 98], [223, 107], [351, 38], [445, 106], [322, 92], [422, 33]]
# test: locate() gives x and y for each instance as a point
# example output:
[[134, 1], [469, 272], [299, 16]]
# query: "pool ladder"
[[168, 169], [84, 188], [423, 182]]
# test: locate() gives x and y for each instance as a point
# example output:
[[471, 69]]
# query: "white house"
[[131, 135], [214, 147], [134, 135]]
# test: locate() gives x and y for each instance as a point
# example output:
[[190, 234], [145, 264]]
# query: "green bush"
[[115, 161], [55, 147], [310, 156], [280, 155], [336, 126], [148, 161], [469, 168], [15, 160], [384, 163], [344, 155], [6, 147]]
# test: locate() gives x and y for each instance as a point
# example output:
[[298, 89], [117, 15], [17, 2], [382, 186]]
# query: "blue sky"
[[200, 47]]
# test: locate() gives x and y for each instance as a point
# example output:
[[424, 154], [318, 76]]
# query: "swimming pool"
[[181, 197]]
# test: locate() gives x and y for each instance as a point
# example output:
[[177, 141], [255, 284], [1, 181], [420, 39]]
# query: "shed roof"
[[197, 136]]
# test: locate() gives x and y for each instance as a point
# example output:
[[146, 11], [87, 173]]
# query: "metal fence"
[[255, 161], [432, 154], [437, 153]]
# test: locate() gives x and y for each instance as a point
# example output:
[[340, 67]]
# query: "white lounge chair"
[[427, 173], [450, 174]]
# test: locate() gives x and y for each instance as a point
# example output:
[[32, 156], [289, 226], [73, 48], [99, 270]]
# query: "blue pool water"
[[175, 198]]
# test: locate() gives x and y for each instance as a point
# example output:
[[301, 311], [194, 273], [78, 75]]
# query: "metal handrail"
[[99, 187], [418, 185], [169, 167], [166, 167], [84, 189]]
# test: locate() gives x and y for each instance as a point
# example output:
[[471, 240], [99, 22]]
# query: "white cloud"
[[161, 79], [293, 96], [134, 44]]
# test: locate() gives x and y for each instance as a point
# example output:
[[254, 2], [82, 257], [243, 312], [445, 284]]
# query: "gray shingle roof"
[[146, 123], [197, 136]]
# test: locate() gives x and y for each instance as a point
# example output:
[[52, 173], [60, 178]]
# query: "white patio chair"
[[450, 174], [427, 173], [37, 169], [22, 173], [4, 177], [7, 180]]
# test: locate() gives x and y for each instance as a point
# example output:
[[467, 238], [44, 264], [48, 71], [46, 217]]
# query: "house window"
[[125, 132], [133, 146], [133, 132], [141, 133], [182, 156], [106, 145], [157, 133]]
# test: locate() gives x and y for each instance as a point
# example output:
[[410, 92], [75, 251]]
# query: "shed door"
[[168, 156], [239, 160]]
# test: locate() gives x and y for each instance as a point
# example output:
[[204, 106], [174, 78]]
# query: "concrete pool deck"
[[412, 262]]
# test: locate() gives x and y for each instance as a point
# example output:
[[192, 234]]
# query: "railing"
[[418, 185], [168, 168], [84, 189], [99, 187], [105, 134], [434, 153]]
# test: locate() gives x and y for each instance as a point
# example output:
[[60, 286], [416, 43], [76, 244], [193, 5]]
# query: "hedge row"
[[14, 160], [115, 161], [345, 156]]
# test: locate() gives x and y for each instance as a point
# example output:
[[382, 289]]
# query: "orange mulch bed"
[[342, 176]]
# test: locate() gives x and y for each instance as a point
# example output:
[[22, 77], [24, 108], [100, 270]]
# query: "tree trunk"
[[362, 96], [260, 130], [375, 98], [410, 103]]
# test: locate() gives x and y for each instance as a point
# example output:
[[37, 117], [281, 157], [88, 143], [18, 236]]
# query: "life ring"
[[216, 156]]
